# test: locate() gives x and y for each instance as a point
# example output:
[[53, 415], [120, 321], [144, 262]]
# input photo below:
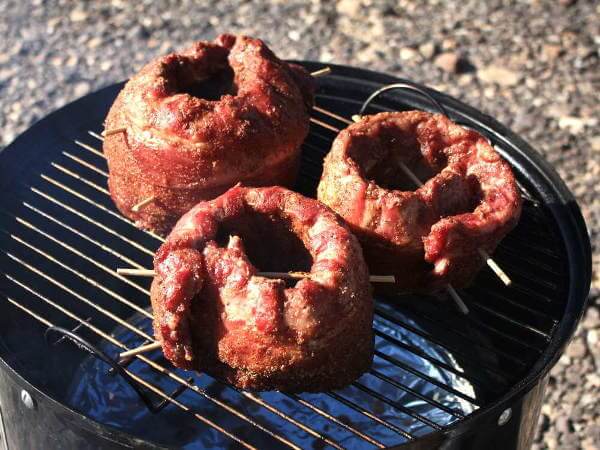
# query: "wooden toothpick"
[[138, 206], [321, 72], [141, 349], [282, 275], [110, 132]]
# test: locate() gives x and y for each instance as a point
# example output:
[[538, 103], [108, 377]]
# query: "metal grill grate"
[[61, 239]]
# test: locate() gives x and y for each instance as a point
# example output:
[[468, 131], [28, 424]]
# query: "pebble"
[[499, 75], [447, 61], [77, 15], [592, 339], [576, 349], [551, 51], [427, 50], [94, 42], [407, 53], [576, 125], [348, 7], [80, 89], [563, 425]]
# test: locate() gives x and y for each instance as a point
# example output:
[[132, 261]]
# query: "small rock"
[[448, 61], [568, 38], [551, 440], [53, 22], [448, 44], [587, 399], [465, 79], [531, 83], [499, 75], [591, 319], [348, 7], [576, 125], [78, 15], [427, 50], [588, 444], [567, 2], [595, 141], [576, 349], [294, 35], [551, 51], [592, 338], [94, 42], [558, 110], [407, 53], [71, 61], [593, 379], [81, 89], [56, 61], [105, 65], [489, 92], [563, 425]]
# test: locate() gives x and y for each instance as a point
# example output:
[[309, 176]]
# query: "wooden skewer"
[[324, 125], [495, 267], [283, 275], [142, 204], [321, 72], [408, 172], [107, 133], [290, 275], [140, 349], [136, 272], [459, 301], [382, 278], [330, 114]]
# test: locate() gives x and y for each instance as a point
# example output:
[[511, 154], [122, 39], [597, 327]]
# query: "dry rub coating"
[[199, 121], [213, 313], [427, 236]]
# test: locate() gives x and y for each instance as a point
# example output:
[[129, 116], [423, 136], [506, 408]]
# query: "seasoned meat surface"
[[201, 120], [214, 312], [429, 235]]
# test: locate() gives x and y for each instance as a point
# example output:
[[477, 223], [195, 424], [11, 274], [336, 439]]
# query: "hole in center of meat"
[[394, 160], [268, 241], [389, 173], [381, 159], [212, 87]]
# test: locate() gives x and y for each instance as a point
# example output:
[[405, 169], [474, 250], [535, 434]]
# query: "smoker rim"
[[547, 182]]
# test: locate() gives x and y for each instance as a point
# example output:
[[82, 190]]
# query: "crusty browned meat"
[[213, 313], [201, 120], [427, 236]]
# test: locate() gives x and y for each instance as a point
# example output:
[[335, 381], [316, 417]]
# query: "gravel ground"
[[532, 64]]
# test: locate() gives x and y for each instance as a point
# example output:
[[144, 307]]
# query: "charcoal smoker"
[[439, 379]]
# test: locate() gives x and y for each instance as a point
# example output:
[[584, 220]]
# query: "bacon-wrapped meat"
[[199, 121], [213, 312], [426, 236]]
